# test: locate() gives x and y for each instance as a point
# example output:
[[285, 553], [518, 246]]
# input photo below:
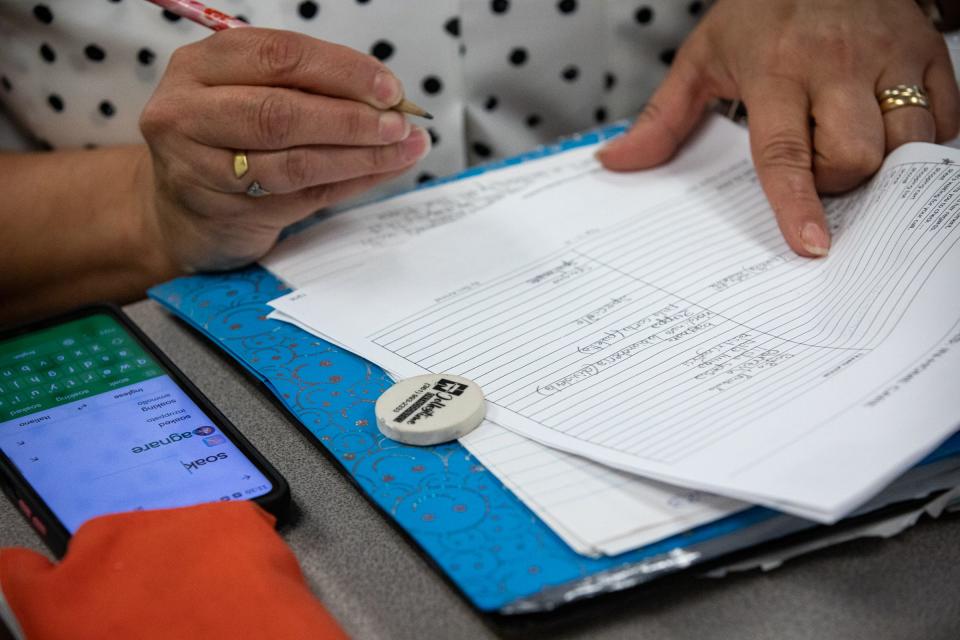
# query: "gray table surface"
[[378, 586]]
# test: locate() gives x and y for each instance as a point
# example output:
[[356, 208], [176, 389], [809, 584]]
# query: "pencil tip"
[[413, 109]]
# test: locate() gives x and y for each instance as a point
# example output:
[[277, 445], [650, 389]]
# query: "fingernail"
[[416, 145], [387, 89], [394, 127], [815, 239]]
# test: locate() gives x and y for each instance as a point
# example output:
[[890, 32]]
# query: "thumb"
[[665, 122]]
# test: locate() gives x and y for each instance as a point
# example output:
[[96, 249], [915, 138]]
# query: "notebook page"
[[657, 323]]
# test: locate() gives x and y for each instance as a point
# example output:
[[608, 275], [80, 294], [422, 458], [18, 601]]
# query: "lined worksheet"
[[597, 510], [657, 323]]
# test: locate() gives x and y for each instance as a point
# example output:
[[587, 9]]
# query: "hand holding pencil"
[[220, 21], [251, 112]]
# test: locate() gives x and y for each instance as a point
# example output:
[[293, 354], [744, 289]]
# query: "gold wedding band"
[[902, 96], [240, 164]]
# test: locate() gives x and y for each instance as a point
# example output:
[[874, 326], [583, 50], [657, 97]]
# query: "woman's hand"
[[809, 72], [313, 118]]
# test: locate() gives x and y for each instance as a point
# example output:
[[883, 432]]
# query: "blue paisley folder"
[[495, 550]]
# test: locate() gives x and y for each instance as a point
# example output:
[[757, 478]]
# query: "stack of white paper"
[[597, 510], [657, 323]]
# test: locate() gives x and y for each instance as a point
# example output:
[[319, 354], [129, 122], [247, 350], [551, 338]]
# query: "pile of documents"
[[653, 354]]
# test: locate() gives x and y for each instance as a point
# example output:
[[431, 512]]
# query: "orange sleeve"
[[211, 571]]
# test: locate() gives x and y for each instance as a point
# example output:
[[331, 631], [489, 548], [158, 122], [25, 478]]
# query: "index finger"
[[778, 111], [270, 57]]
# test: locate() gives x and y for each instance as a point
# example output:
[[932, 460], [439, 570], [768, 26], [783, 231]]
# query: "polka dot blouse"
[[501, 76]]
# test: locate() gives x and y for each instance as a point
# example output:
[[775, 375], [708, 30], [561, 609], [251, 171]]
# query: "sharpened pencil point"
[[413, 109]]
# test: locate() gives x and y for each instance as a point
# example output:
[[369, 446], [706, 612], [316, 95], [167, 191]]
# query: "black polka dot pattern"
[[308, 10], [381, 50], [47, 53], [518, 57], [42, 13], [432, 85], [452, 26], [529, 74], [643, 15], [482, 150], [55, 102], [146, 56], [94, 53]]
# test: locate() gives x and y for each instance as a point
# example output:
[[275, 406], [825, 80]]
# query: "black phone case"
[[32, 506]]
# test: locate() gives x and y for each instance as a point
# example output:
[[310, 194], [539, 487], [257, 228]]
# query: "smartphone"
[[94, 419]]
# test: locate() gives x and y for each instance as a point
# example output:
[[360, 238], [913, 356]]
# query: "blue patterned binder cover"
[[490, 545]]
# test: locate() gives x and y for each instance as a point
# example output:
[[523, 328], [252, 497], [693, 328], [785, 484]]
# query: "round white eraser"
[[430, 409]]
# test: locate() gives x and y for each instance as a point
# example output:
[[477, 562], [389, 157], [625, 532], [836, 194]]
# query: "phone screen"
[[96, 425]]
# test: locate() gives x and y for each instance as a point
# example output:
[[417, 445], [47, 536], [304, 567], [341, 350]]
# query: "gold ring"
[[902, 96], [240, 164]]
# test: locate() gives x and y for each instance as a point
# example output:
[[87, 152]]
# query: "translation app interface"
[[96, 426]]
